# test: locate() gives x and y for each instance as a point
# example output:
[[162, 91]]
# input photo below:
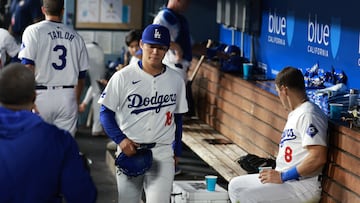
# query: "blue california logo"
[[321, 35], [281, 28], [335, 34], [290, 26]]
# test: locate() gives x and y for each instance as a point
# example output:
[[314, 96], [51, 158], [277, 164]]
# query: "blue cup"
[[335, 111], [210, 182], [247, 67]]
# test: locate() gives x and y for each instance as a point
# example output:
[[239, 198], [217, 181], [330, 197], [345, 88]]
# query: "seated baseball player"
[[147, 110], [38, 161], [302, 151]]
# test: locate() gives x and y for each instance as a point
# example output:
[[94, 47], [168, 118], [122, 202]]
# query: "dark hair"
[[53, 7], [133, 35], [291, 77], [17, 84]]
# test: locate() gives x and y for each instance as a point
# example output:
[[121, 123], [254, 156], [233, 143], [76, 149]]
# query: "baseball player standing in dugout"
[[143, 103], [179, 55], [58, 56], [302, 151]]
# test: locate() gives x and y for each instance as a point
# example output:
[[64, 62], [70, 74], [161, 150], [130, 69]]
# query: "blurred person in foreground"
[[39, 162]]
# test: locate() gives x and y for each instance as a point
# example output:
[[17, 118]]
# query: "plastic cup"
[[210, 182], [264, 168], [247, 70], [335, 111]]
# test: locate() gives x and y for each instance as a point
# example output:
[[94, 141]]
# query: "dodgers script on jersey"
[[62, 66], [306, 125], [145, 99]]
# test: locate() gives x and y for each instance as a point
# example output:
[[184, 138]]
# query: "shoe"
[[177, 170], [111, 145]]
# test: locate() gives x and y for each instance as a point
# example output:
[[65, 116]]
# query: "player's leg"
[[248, 188], [45, 105], [159, 179], [96, 126], [129, 188], [68, 111]]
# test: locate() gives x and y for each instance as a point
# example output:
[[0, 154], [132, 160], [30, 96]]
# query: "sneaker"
[[177, 170], [111, 145]]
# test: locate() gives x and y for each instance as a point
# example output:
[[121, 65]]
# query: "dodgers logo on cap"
[[156, 34]]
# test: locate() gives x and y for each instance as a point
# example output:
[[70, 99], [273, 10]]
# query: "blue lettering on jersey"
[[286, 136], [155, 102], [57, 34]]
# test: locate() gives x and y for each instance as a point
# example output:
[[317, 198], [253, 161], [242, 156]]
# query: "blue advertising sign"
[[304, 33]]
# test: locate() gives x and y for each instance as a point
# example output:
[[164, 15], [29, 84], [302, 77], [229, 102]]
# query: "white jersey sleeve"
[[174, 28], [8, 45]]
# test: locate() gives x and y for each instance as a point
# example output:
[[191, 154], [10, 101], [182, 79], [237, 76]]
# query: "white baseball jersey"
[[144, 104], [58, 51], [179, 33], [8, 45], [134, 59], [306, 125], [97, 69]]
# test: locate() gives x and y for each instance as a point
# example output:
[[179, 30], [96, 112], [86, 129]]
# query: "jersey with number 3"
[[306, 125], [58, 51]]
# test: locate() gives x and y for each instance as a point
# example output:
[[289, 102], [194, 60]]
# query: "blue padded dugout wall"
[[302, 33]]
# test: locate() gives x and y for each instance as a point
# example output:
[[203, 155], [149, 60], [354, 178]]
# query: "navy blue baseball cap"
[[232, 50], [156, 34]]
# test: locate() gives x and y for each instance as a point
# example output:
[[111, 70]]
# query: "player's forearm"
[[88, 95], [177, 145], [107, 119], [79, 88]]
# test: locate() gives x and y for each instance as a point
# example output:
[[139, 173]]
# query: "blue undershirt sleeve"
[[82, 74], [177, 144], [27, 61], [108, 121]]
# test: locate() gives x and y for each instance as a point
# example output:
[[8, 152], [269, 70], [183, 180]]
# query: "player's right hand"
[[270, 176], [128, 147], [82, 107]]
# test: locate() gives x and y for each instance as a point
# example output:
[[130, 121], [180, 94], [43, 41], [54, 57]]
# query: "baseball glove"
[[135, 165], [252, 162]]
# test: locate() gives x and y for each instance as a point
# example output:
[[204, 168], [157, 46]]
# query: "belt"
[[42, 87], [146, 145]]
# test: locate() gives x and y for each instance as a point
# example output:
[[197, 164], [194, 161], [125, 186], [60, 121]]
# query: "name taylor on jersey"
[[58, 34]]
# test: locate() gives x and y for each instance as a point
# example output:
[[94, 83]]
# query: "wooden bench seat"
[[222, 157]]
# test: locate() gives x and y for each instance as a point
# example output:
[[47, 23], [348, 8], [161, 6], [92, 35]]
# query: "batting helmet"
[[135, 165]]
